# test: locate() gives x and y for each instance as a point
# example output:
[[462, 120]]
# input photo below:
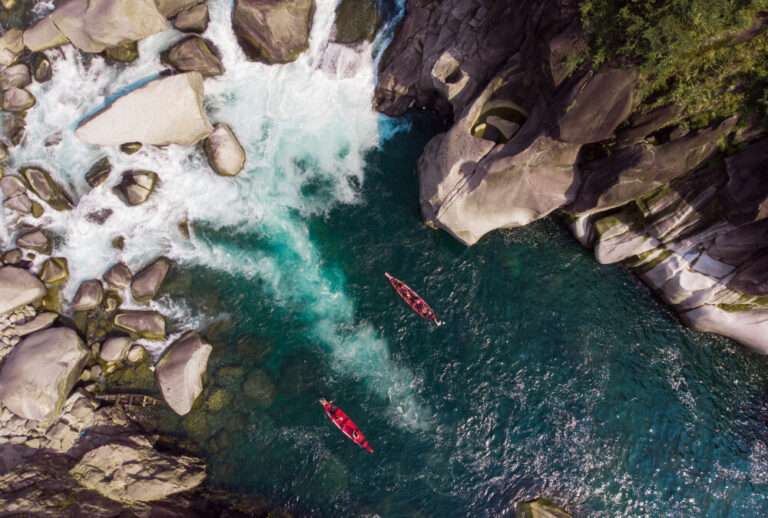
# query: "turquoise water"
[[553, 375]]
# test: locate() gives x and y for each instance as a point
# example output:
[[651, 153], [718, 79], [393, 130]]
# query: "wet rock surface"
[[275, 31]]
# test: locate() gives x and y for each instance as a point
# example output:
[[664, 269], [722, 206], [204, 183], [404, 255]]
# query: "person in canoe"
[[345, 424], [413, 299]]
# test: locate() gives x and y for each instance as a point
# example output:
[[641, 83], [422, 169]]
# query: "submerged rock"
[[356, 21], [136, 186], [179, 98], [18, 288], [133, 471], [180, 371], [96, 25], [194, 54], [43, 185], [39, 373], [540, 508], [144, 324], [118, 276], [147, 282], [225, 154], [273, 32], [194, 19], [259, 387], [89, 296]]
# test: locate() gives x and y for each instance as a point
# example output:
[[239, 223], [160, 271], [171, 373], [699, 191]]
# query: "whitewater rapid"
[[306, 127]]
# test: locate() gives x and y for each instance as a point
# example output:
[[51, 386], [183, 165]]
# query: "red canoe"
[[345, 424], [413, 299]]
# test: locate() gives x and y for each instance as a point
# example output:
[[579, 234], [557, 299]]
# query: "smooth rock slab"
[[146, 324], [18, 288], [39, 373], [135, 472], [165, 111], [147, 282], [180, 371], [225, 154]]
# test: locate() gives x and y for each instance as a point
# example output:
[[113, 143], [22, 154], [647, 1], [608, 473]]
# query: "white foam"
[[305, 129]]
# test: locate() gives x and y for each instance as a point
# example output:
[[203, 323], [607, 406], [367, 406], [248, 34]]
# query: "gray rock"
[[136, 186], [136, 354], [179, 98], [193, 19], [115, 349], [55, 271], [356, 21], [18, 288], [38, 323], [89, 296], [225, 154], [12, 257], [180, 371], [34, 240], [45, 187], [99, 172], [11, 46], [118, 276], [12, 186], [41, 68], [15, 76], [147, 282], [20, 203], [133, 471], [171, 8], [275, 31], [144, 324], [194, 54], [39, 373], [17, 100]]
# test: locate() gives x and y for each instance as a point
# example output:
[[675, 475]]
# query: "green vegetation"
[[708, 56]]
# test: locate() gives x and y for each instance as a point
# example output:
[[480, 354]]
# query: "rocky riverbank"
[[533, 132]]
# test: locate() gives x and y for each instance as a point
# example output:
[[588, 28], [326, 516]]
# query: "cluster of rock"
[[532, 134]]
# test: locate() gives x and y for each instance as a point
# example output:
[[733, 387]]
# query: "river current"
[[553, 375]]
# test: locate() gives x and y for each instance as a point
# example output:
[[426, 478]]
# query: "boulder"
[[39, 373], [144, 324], [11, 46], [19, 203], [259, 388], [126, 52], [225, 154], [133, 471], [15, 76], [95, 25], [39, 322], [35, 240], [179, 98], [89, 296], [17, 100], [194, 54], [136, 186], [41, 68], [115, 349], [136, 354], [99, 216], [118, 276], [171, 8], [12, 257], [55, 271], [540, 508], [18, 288], [98, 173], [180, 371], [356, 21], [275, 31], [130, 148], [43, 185], [147, 282], [12, 186], [596, 105], [194, 19]]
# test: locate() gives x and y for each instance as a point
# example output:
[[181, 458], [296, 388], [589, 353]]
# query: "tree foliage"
[[708, 56]]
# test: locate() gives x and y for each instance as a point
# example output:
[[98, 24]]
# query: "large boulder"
[[194, 19], [143, 324], [129, 119], [194, 54], [147, 282], [46, 188], [118, 276], [136, 186], [39, 373], [273, 31], [133, 471], [35, 240], [17, 100], [18, 288], [11, 46], [225, 154], [180, 371], [95, 25], [115, 349], [16, 76]]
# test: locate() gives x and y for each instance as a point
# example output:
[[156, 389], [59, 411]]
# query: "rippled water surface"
[[553, 375]]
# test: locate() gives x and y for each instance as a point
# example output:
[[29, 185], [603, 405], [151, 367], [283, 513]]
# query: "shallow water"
[[553, 375]]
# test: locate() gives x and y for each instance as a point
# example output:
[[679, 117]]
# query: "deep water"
[[553, 375]]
